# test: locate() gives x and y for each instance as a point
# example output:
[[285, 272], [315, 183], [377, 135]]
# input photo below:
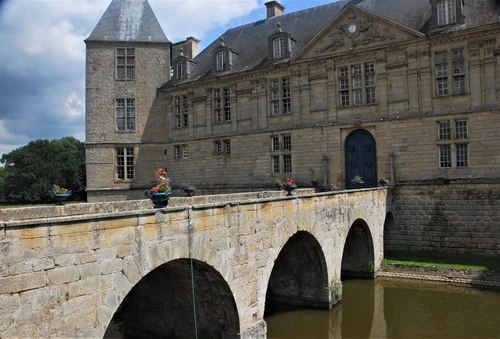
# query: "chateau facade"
[[403, 90]]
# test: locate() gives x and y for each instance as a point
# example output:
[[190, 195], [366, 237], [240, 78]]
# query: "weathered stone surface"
[[75, 282]]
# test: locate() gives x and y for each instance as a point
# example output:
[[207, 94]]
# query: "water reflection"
[[385, 308]]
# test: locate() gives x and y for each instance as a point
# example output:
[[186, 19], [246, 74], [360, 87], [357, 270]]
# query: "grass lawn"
[[459, 261]]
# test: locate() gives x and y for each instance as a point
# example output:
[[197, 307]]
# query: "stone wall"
[[446, 216], [64, 270]]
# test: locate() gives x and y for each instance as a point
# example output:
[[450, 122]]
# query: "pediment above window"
[[356, 29]]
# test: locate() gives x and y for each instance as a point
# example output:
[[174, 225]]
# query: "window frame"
[[181, 111], [222, 105], [357, 84], [125, 115], [446, 12], [181, 152], [453, 143], [125, 63], [450, 72], [280, 96], [124, 163], [280, 147]]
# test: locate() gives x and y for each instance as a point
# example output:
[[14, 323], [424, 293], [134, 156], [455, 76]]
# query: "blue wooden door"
[[360, 159]]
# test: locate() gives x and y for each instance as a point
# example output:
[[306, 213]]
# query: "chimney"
[[274, 8]]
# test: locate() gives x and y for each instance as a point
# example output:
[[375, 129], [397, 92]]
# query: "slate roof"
[[128, 20], [250, 41]]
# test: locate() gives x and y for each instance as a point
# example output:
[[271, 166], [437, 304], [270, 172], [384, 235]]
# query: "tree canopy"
[[30, 171]]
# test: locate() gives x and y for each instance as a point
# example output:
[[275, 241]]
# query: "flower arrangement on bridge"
[[56, 189], [357, 180], [162, 187], [286, 182]]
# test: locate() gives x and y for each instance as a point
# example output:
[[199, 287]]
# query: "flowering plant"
[[161, 188], [357, 180], [287, 182], [59, 190]]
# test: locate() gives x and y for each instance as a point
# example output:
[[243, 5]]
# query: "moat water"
[[388, 308]]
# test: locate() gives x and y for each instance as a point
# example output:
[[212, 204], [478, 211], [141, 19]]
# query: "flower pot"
[[289, 189], [159, 199], [60, 198], [189, 190]]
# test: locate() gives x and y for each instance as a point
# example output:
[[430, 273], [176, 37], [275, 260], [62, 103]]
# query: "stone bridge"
[[95, 270]]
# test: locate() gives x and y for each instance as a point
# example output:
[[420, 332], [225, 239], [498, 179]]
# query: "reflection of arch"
[[358, 257], [161, 305], [388, 229], [299, 278], [360, 159]]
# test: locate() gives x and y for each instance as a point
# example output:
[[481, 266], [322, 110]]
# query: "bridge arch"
[[358, 255], [299, 276], [160, 305]]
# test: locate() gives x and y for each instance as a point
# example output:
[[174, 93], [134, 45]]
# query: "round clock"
[[352, 28]]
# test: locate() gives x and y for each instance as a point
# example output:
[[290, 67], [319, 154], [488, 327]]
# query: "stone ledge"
[[484, 278]]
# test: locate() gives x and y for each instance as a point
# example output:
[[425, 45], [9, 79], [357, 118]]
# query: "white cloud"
[[42, 57]]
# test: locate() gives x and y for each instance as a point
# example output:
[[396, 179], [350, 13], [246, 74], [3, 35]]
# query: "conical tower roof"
[[128, 20]]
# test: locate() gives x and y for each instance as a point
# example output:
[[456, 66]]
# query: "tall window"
[[453, 142], [357, 85], [281, 159], [181, 151], [125, 168], [125, 114], [222, 104], [222, 147], [125, 63], [279, 48], [280, 95], [446, 12], [220, 61], [181, 107], [180, 69], [450, 69]]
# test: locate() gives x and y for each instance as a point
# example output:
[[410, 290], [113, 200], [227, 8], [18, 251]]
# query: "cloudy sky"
[[42, 56]]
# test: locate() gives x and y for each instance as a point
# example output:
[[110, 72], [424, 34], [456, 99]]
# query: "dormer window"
[[180, 71], [182, 66], [280, 44], [446, 12], [222, 57]]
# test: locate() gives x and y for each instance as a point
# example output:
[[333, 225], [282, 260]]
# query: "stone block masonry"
[[453, 217]]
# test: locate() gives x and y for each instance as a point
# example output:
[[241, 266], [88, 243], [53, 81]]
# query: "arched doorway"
[[360, 159]]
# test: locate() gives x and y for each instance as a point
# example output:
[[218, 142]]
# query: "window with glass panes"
[[450, 69], [453, 147], [280, 96], [279, 48], [125, 63], [357, 84], [125, 114], [446, 12], [222, 147], [281, 159], [220, 61], [180, 69], [181, 111], [125, 167], [180, 152], [222, 104]]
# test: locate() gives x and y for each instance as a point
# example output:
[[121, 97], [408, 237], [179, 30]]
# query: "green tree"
[[31, 171]]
